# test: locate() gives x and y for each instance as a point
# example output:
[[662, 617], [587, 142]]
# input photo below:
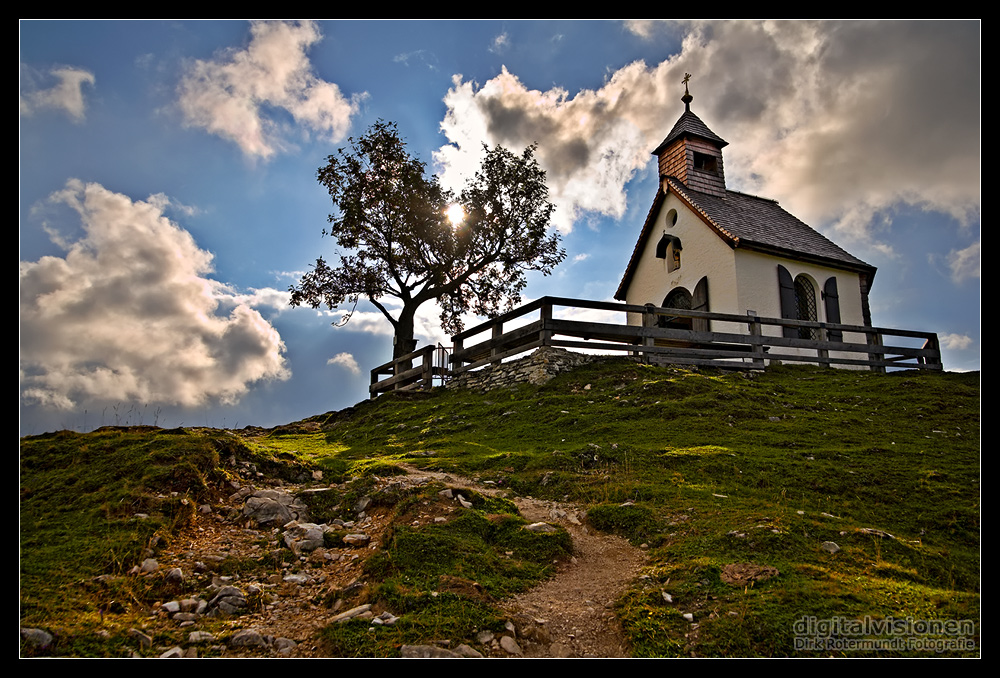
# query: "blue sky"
[[168, 195]]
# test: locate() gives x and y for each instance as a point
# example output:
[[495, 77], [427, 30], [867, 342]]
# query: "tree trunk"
[[403, 341]]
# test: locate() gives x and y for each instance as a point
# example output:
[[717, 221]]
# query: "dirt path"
[[574, 608]]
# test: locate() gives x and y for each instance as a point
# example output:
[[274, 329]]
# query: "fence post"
[[931, 344], [497, 333], [457, 345], [545, 335], [875, 339], [756, 340], [648, 321], [823, 353], [427, 375]]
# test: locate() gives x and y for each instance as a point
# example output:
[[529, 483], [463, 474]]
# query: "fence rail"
[[665, 336], [401, 375]]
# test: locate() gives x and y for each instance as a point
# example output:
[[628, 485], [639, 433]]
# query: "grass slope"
[[720, 469]]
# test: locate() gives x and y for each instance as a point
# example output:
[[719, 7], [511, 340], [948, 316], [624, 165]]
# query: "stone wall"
[[539, 367]]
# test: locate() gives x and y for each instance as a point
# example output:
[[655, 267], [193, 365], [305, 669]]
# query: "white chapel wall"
[[703, 253]]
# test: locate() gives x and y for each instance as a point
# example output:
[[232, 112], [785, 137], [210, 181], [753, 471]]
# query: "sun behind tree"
[[456, 214], [399, 238]]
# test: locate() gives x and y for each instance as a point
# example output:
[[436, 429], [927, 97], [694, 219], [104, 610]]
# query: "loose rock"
[[36, 638], [248, 638], [510, 646], [744, 574], [427, 652]]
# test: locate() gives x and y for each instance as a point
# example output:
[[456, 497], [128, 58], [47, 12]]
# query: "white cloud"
[[265, 297], [347, 361], [589, 145], [370, 322], [422, 56], [228, 95], [839, 121], [129, 314], [66, 95], [643, 28], [965, 263], [426, 323], [500, 43], [956, 342]]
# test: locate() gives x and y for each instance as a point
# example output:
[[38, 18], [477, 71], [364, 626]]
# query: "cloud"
[[347, 361], [965, 263], [129, 314], [229, 95], [956, 342], [839, 121], [66, 95], [426, 323], [418, 55], [500, 43], [370, 322], [643, 28], [590, 145], [265, 297]]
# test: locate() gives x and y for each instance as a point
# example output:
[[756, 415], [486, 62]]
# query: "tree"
[[391, 223]]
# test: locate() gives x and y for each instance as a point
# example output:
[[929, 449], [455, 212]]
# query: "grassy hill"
[[861, 490]]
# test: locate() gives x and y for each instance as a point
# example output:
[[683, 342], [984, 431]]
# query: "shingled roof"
[[691, 124], [748, 222]]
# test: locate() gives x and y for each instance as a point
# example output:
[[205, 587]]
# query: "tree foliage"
[[391, 224]]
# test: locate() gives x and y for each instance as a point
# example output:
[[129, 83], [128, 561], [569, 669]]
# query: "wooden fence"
[[665, 336], [401, 375]]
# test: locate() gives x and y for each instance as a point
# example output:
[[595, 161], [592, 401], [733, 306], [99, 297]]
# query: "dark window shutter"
[[832, 301], [699, 302], [666, 241], [789, 307], [661, 247]]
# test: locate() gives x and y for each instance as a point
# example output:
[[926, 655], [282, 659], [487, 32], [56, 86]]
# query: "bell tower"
[[692, 153]]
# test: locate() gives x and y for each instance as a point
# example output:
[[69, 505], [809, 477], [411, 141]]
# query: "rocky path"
[[570, 615], [291, 611]]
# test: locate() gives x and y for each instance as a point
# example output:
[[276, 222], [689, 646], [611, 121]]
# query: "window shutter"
[[665, 242], [661, 247], [832, 301], [789, 307], [699, 302]]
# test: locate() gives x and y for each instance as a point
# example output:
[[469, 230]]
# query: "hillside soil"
[[573, 610]]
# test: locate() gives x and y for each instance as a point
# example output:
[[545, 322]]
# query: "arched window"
[[805, 303], [669, 248], [798, 302], [680, 298]]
